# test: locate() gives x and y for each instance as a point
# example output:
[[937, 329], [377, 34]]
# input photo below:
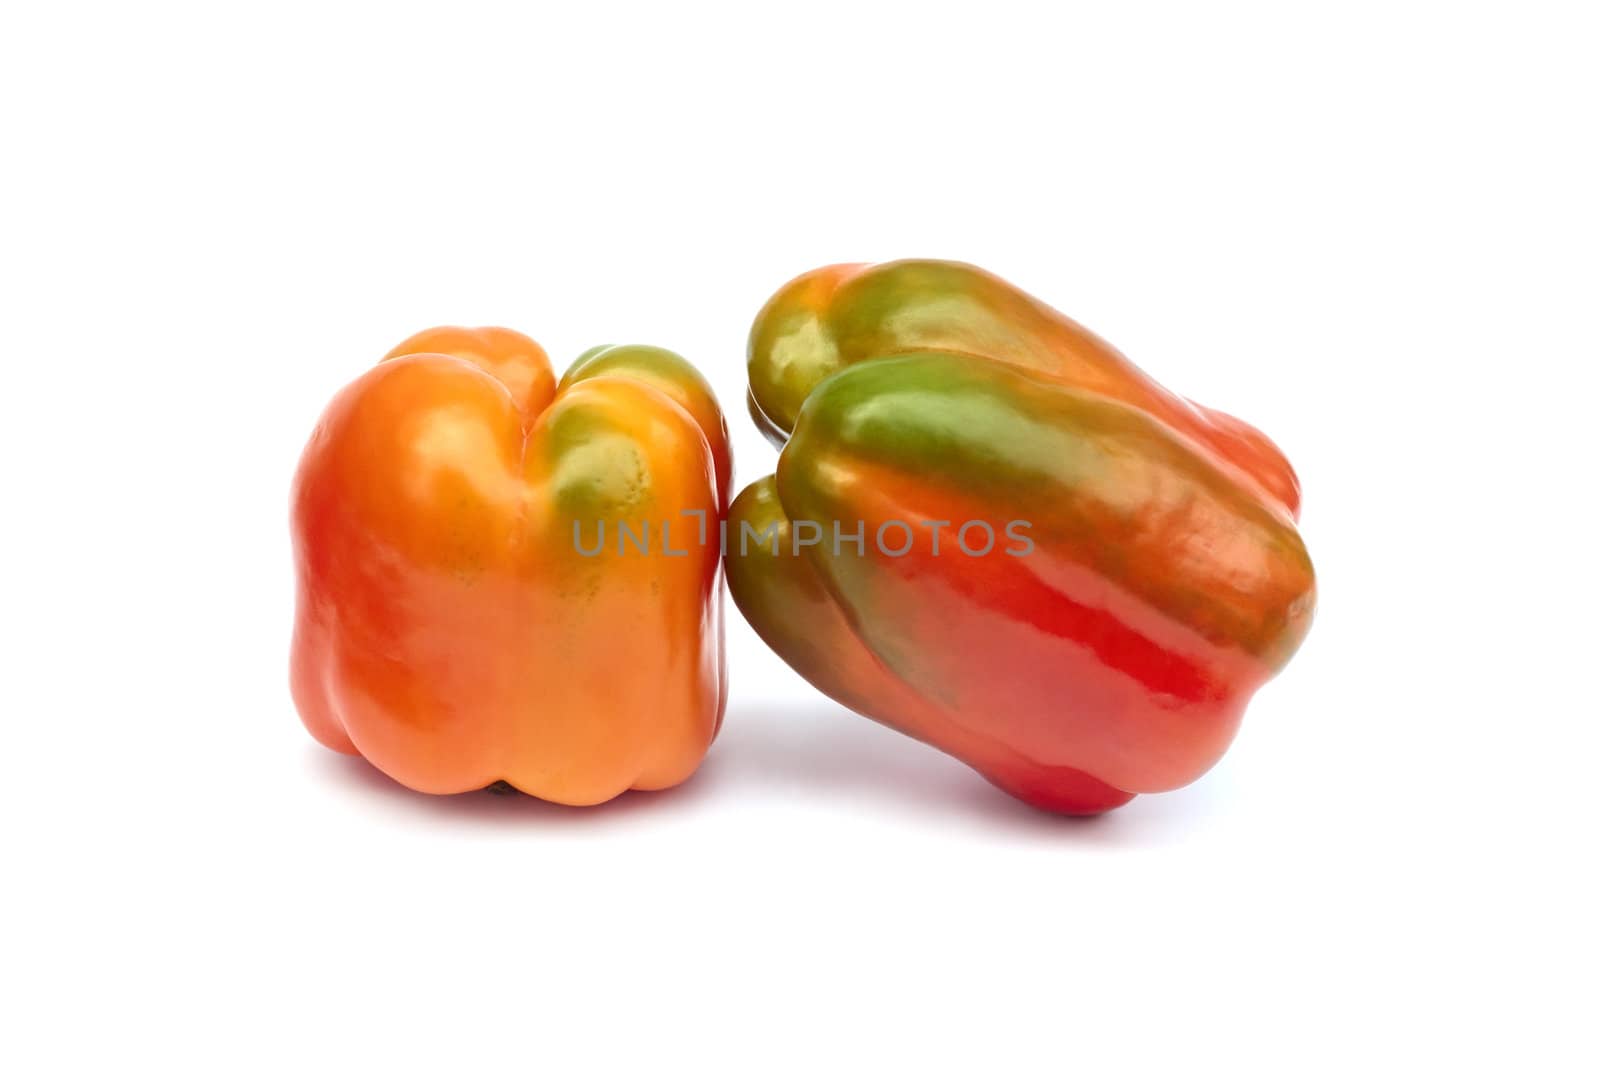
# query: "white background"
[[1370, 229]]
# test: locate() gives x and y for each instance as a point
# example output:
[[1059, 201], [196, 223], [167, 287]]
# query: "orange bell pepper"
[[455, 624]]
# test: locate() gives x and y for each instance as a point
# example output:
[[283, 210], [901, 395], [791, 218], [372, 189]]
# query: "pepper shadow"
[[825, 753], [807, 753]]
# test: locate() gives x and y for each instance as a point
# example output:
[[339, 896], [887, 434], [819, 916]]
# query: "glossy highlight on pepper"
[[1167, 580], [445, 627]]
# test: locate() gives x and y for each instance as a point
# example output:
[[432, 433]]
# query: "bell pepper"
[[456, 625], [992, 532]]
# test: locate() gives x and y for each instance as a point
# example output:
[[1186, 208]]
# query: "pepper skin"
[[448, 627], [1107, 650]]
